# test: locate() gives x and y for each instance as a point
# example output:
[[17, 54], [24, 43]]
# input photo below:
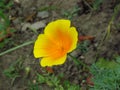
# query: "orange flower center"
[[58, 45]]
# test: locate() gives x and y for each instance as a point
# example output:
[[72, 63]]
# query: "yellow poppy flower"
[[58, 40]]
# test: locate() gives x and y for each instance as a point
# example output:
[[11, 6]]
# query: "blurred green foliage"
[[4, 22], [13, 71], [5, 4], [83, 46], [106, 74], [71, 12], [113, 18], [96, 4], [53, 82]]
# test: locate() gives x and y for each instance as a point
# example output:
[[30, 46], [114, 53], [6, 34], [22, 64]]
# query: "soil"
[[87, 22]]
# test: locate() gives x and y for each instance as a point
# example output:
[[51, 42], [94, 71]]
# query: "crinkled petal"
[[49, 61]]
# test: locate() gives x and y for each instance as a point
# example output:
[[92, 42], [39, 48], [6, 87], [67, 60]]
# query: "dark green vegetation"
[[106, 74], [5, 29]]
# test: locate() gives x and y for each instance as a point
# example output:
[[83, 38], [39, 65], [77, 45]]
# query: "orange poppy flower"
[[58, 40]]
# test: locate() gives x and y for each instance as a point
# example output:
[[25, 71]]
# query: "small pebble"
[[25, 26], [34, 81], [43, 14], [17, 1], [82, 57], [96, 44], [16, 21], [38, 25]]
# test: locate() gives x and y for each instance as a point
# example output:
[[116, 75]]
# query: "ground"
[[25, 13]]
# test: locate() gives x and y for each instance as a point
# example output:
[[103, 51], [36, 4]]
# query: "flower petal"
[[53, 27], [58, 31], [48, 61], [74, 37], [43, 46]]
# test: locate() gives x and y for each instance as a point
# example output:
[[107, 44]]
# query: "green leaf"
[[1, 27], [96, 4], [106, 75], [2, 44], [6, 20], [118, 59], [104, 63], [40, 78]]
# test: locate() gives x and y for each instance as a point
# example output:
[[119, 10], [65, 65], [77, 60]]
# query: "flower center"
[[62, 51]]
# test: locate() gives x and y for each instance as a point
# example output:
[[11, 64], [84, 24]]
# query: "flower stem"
[[78, 62], [17, 47]]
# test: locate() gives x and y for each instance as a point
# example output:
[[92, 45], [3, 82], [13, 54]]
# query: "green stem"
[[78, 62], [17, 47]]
